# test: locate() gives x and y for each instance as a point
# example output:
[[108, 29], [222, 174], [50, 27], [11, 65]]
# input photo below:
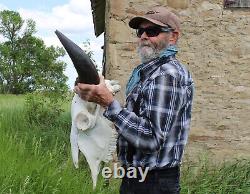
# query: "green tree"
[[89, 52], [26, 64]]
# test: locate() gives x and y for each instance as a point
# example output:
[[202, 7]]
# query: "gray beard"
[[148, 52]]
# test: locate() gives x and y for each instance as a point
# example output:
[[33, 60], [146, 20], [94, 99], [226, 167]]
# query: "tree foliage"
[[26, 63], [89, 52]]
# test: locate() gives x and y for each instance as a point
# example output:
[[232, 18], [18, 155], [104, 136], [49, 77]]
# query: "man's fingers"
[[76, 90], [84, 94], [102, 81], [84, 87]]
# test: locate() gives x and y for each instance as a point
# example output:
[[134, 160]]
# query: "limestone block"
[[131, 47], [133, 11], [186, 13], [245, 45], [118, 8], [205, 6], [139, 8], [119, 31], [209, 9], [112, 56], [215, 46], [232, 29], [178, 4]]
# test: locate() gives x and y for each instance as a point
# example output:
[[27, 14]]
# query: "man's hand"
[[99, 94]]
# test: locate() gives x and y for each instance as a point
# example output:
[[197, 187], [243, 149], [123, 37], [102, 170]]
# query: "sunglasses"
[[152, 31]]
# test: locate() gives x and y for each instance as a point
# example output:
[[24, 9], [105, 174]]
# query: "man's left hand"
[[99, 94]]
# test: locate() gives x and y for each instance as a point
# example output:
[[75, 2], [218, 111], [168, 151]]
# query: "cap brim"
[[136, 21]]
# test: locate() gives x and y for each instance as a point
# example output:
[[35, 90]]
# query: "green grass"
[[37, 159], [226, 178]]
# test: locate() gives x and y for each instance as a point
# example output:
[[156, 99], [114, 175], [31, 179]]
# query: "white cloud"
[[51, 40], [74, 17], [2, 7]]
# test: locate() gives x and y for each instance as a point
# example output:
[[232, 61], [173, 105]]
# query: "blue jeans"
[[164, 181]]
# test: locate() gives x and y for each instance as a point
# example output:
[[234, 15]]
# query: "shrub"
[[43, 108]]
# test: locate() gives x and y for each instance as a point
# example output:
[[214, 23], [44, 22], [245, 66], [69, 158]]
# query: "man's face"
[[151, 47]]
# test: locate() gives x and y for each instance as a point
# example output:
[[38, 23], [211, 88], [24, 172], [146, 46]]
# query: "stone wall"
[[215, 45]]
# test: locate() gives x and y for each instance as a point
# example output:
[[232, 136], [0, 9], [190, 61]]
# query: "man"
[[153, 126]]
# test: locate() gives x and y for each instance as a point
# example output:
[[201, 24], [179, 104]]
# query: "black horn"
[[85, 67]]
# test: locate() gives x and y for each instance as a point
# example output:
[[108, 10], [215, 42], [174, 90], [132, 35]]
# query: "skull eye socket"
[[82, 121]]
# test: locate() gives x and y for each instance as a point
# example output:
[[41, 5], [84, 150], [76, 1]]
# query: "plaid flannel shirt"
[[158, 131]]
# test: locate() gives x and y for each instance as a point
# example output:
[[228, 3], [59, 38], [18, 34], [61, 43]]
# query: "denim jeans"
[[165, 181]]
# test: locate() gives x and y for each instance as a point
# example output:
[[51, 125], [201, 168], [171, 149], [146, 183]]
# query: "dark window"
[[236, 3]]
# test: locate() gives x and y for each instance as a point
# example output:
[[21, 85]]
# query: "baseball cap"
[[160, 16]]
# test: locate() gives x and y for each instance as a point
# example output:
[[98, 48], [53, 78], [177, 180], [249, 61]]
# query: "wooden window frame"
[[236, 3]]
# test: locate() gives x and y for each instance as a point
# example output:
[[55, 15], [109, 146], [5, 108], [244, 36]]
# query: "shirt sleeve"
[[161, 102]]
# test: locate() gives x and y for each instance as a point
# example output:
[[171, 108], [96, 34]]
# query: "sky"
[[72, 17]]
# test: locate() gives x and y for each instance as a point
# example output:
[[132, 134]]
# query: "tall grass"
[[226, 178], [37, 159]]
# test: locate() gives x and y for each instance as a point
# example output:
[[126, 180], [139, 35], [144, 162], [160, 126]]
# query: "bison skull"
[[92, 133]]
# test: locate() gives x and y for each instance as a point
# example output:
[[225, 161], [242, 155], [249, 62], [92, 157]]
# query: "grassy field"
[[37, 159]]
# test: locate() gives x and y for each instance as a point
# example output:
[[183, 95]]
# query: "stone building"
[[214, 45]]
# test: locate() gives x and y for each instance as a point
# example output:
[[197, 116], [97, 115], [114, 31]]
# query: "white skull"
[[92, 133]]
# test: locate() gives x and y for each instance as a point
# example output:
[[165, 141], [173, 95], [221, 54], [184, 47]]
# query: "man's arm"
[[161, 103]]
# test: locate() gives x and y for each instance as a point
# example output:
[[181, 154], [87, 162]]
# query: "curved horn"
[[84, 66]]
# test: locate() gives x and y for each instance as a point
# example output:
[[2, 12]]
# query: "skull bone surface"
[[92, 133]]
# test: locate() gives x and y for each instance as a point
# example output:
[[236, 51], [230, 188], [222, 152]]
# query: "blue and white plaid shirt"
[[158, 129]]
